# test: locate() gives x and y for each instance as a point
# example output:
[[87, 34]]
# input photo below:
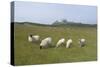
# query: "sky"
[[47, 13]]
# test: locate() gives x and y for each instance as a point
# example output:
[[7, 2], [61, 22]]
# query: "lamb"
[[82, 42], [46, 42], [68, 43], [60, 42]]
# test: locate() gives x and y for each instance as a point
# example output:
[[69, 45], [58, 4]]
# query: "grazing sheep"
[[30, 39], [45, 42], [82, 42], [60, 42], [33, 38], [68, 43], [36, 38]]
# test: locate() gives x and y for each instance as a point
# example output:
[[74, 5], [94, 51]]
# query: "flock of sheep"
[[48, 41]]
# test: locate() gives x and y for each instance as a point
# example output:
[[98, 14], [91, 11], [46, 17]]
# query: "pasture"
[[27, 53]]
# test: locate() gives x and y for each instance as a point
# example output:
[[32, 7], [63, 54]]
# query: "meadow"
[[27, 53]]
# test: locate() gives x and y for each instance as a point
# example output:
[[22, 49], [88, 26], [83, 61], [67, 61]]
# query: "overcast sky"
[[47, 13]]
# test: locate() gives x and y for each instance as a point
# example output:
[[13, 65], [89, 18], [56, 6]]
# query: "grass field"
[[27, 53]]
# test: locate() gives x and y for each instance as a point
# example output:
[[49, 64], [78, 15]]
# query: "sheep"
[[33, 38], [36, 38], [68, 43], [45, 42], [30, 39], [82, 42], [60, 42]]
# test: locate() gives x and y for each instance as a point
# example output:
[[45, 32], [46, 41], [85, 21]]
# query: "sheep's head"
[[31, 35], [40, 47]]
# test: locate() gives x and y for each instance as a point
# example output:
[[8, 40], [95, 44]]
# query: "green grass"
[[27, 53]]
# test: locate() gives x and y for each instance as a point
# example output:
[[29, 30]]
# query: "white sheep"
[[33, 38], [36, 38], [30, 39], [60, 42], [68, 43], [45, 42], [82, 42]]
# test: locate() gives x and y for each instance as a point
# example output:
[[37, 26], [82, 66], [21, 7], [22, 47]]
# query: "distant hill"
[[31, 23], [65, 24]]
